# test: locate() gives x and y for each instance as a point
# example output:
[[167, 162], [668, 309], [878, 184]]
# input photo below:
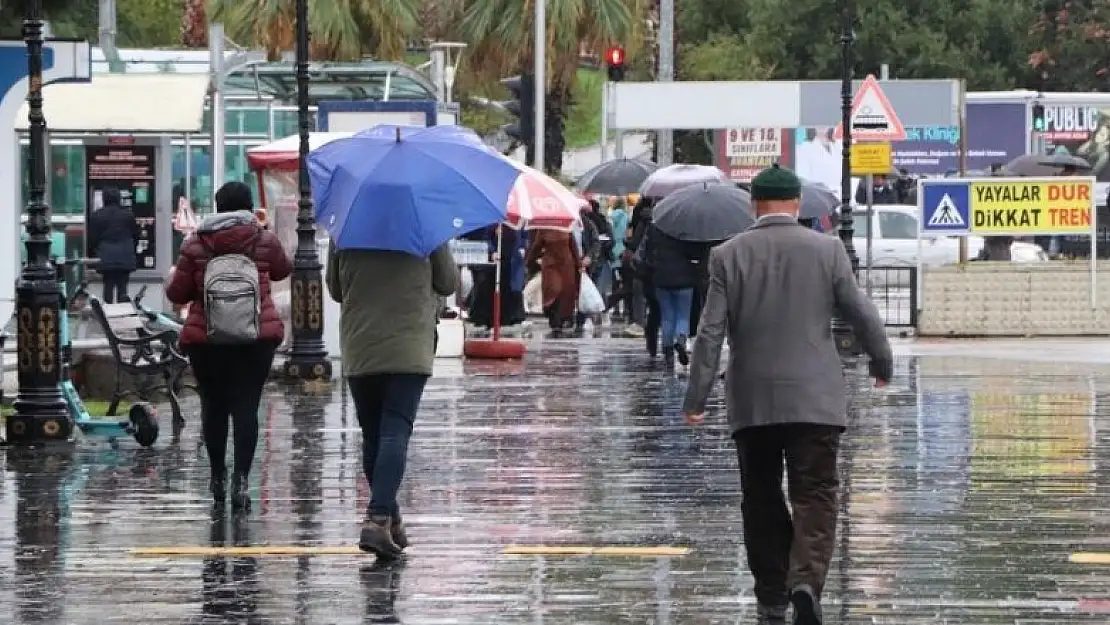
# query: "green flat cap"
[[776, 183]]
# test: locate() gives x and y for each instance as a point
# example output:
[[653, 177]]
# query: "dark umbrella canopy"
[[704, 212], [619, 177], [818, 201], [671, 178], [1046, 165]]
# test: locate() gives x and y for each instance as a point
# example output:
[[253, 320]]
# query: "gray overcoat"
[[773, 291]]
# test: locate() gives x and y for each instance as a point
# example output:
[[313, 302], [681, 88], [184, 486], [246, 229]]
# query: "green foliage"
[[148, 23], [721, 57], [978, 40], [583, 127], [1072, 46]]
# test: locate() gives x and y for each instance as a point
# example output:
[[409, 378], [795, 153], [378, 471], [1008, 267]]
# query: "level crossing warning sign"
[[1007, 206], [873, 118]]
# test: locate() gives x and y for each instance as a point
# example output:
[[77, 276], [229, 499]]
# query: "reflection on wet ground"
[[969, 484]]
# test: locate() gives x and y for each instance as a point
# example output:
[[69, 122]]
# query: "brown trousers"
[[785, 552]]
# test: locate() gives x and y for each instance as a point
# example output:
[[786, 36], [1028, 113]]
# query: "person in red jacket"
[[229, 377]]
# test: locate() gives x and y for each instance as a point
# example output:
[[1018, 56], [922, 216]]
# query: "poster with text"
[[1082, 131], [129, 169], [744, 152]]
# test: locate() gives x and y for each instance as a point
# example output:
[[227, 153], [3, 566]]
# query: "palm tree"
[[501, 36], [340, 29]]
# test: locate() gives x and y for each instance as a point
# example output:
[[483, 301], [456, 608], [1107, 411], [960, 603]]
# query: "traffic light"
[[614, 60], [522, 105], [1039, 124]]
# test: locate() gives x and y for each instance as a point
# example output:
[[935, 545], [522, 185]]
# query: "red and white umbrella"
[[538, 202]]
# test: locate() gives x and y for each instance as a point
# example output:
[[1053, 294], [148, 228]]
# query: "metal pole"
[[188, 187], [40, 410], [219, 132], [869, 180], [308, 359], [665, 138], [604, 120], [962, 106], [540, 71], [845, 340]]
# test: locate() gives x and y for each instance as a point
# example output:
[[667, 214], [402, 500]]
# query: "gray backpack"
[[232, 298]]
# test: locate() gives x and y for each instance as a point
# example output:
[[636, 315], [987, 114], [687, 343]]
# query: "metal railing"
[[894, 291]]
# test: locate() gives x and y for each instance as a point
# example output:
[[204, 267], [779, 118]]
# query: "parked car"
[[894, 243]]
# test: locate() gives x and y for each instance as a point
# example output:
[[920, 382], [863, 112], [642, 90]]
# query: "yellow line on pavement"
[[1090, 558], [586, 550]]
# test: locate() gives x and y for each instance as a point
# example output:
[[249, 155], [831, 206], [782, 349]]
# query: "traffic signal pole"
[[540, 72]]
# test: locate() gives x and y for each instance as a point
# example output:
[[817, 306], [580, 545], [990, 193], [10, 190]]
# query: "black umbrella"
[[619, 177], [704, 212], [1046, 165], [665, 181], [817, 201]]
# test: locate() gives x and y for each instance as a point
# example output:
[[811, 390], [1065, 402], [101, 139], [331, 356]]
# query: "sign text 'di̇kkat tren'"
[[1007, 206]]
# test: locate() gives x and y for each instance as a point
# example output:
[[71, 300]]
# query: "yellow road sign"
[[1026, 206], [872, 158]]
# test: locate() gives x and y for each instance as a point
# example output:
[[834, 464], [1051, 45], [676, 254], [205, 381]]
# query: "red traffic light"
[[615, 56]]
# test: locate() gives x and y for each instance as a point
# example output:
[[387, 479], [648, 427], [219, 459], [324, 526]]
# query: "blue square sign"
[[945, 207]]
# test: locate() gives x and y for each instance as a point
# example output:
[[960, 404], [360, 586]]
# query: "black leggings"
[[230, 380]]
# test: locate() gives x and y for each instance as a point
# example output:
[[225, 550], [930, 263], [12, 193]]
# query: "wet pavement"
[[969, 482]]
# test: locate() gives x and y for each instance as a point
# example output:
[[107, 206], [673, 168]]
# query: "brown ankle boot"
[[376, 537]]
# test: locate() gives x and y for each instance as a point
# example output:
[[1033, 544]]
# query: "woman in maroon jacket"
[[230, 377]]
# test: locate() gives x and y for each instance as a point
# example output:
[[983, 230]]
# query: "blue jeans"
[[386, 405], [674, 314]]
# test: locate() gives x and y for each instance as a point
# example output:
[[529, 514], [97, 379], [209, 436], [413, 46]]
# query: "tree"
[[1072, 46], [68, 18], [339, 29], [804, 42], [501, 35]]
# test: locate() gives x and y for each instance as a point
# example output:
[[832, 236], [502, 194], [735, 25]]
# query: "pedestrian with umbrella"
[[703, 216], [684, 225], [616, 177], [1042, 165], [391, 198]]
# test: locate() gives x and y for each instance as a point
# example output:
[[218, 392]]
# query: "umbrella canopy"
[[818, 202], [618, 177], [663, 182], [539, 202], [1046, 165], [704, 212], [408, 189]]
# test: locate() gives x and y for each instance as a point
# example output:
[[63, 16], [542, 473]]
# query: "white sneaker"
[[634, 330]]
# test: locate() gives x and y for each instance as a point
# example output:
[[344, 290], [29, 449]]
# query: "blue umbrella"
[[408, 189]]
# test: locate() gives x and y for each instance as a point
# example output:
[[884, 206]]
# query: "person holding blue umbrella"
[[392, 198]]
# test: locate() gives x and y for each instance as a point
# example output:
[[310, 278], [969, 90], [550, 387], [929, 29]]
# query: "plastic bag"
[[466, 283], [590, 301], [533, 295]]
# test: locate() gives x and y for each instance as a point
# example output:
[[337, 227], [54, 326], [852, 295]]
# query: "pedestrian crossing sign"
[[945, 207]]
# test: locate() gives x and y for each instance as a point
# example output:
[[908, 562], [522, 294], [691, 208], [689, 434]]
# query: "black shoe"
[[771, 615], [668, 360], [680, 351], [397, 532], [807, 610], [376, 538], [240, 493], [218, 487]]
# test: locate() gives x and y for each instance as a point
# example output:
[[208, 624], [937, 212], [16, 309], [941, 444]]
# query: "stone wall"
[[1014, 299]]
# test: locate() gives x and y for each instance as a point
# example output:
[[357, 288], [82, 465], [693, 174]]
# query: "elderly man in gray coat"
[[774, 290]]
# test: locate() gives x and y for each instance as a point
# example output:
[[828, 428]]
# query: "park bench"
[[149, 356]]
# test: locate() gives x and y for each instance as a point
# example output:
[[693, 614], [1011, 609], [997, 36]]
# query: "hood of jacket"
[[229, 233]]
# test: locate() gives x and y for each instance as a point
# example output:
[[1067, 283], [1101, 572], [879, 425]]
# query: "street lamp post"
[[40, 410], [307, 359], [845, 339]]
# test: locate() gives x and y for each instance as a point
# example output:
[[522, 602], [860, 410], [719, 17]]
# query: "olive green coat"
[[389, 307]]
